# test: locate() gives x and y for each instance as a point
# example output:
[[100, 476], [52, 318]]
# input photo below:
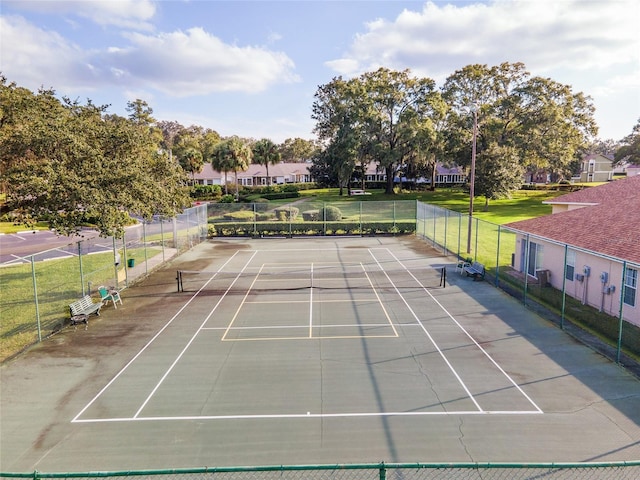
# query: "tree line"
[[70, 163], [73, 164]]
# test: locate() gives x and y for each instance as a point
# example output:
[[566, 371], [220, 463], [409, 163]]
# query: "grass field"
[[522, 205]]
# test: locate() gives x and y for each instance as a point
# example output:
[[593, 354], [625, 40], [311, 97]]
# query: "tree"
[[192, 161], [630, 147], [545, 122], [231, 155], [387, 110], [266, 153], [170, 131], [297, 150], [498, 173], [72, 164]]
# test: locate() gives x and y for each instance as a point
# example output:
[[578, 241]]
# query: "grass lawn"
[[10, 227], [522, 205]]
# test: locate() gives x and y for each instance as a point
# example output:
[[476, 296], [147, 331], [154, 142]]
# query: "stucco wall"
[[589, 290]]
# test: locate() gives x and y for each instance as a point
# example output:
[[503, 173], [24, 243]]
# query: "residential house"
[[590, 246], [256, 175], [537, 176], [596, 168], [632, 170], [445, 176]]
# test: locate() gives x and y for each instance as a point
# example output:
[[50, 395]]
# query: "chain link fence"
[[580, 287], [312, 217], [37, 289], [380, 471]]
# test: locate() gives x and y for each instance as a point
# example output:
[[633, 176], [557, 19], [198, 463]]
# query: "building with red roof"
[[589, 245]]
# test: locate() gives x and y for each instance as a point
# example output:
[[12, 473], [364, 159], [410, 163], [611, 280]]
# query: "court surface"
[[298, 351]]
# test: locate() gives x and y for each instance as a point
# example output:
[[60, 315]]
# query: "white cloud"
[[177, 63], [578, 35], [122, 13], [38, 57], [195, 62]]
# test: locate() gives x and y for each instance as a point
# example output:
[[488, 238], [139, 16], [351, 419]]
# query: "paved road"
[[15, 246]]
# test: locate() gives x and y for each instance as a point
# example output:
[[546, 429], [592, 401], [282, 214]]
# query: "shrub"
[[227, 199], [208, 192], [240, 215], [285, 214], [311, 215], [330, 214], [276, 196]]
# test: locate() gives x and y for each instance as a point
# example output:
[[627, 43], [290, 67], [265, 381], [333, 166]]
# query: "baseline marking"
[[311, 415]]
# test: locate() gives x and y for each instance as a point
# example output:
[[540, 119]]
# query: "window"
[[570, 268], [630, 286], [535, 258]]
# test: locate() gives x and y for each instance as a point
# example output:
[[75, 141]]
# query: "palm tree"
[[266, 153], [221, 161], [231, 155], [241, 154]]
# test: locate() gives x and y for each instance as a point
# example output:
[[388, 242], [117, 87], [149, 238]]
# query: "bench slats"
[[85, 306], [476, 270]]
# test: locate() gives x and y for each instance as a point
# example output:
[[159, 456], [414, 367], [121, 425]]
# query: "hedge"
[[251, 229]]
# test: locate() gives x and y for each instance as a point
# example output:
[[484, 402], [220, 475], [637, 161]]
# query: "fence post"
[[526, 268], [446, 221], [433, 239], [475, 253], [459, 232], [622, 289], [394, 214], [498, 259], [324, 217], [35, 295], [81, 271], [564, 286], [382, 472], [144, 242], [126, 263], [255, 220], [162, 236], [116, 260]]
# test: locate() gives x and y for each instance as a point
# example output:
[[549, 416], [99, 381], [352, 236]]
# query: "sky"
[[251, 68]]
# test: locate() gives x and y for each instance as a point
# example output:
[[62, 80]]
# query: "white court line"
[[386, 314], [364, 299], [468, 335], [75, 419], [243, 300], [186, 347], [453, 370], [310, 415], [276, 327]]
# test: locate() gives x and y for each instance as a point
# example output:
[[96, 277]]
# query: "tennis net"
[[324, 278]]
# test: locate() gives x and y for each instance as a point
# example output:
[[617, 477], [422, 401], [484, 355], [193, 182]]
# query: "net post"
[[443, 277], [179, 280]]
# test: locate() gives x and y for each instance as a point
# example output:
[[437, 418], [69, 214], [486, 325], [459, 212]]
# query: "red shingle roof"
[[611, 226], [617, 192]]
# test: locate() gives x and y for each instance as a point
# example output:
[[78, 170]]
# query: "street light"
[[473, 175]]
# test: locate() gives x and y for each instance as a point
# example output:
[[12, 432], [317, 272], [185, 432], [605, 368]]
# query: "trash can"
[[131, 262]]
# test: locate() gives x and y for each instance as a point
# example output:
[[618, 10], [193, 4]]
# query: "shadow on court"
[[395, 370]]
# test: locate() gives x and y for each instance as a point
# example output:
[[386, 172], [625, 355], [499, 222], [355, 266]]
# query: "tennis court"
[[317, 351]]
